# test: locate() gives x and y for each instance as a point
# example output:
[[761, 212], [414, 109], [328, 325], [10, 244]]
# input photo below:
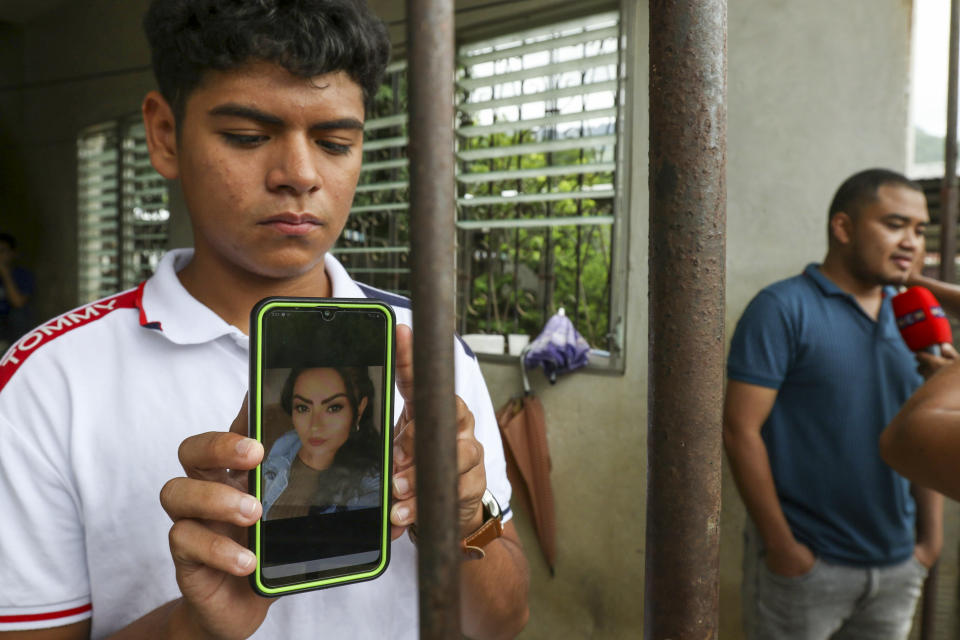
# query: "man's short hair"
[[8, 240], [306, 37], [860, 189]]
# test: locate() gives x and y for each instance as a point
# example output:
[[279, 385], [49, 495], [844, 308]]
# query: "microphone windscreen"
[[921, 319]]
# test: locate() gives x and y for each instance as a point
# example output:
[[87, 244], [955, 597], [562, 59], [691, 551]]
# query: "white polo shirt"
[[93, 407]]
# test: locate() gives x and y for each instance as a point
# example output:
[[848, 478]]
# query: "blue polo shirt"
[[840, 378]]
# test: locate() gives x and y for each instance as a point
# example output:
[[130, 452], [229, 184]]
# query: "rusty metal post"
[[948, 192], [687, 254], [430, 40], [949, 202]]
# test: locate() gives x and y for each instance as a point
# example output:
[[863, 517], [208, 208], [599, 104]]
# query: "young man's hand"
[[472, 476], [928, 364], [790, 562], [926, 554], [211, 510]]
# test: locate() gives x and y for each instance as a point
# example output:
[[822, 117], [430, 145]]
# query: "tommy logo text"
[[56, 326]]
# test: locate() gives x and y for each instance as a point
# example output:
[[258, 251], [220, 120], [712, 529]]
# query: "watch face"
[[490, 503]]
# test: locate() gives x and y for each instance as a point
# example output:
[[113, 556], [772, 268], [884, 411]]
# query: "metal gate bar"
[[687, 254], [949, 192], [430, 38]]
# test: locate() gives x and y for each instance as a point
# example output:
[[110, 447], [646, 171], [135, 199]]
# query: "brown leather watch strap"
[[473, 544], [491, 529]]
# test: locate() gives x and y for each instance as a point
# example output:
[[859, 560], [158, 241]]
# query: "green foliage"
[[508, 282], [927, 147], [514, 279]]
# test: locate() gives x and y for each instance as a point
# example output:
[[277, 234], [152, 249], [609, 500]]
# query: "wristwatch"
[[490, 530]]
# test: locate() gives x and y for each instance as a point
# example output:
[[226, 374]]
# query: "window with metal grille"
[[122, 207], [374, 245], [538, 173]]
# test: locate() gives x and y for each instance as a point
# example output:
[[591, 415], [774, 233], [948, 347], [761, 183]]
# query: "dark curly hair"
[[861, 188], [361, 451], [306, 37]]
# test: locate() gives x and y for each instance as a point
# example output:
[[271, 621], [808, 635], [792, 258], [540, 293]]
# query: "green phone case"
[[255, 539]]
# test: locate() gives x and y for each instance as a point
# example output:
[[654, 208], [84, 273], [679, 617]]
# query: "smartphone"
[[321, 402]]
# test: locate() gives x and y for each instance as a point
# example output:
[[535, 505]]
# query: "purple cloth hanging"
[[558, 349]]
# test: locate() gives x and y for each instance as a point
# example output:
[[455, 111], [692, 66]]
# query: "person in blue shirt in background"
[[16, 289], [837, 544]]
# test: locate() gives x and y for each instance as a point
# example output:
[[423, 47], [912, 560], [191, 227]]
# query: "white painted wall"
[[817, 91]]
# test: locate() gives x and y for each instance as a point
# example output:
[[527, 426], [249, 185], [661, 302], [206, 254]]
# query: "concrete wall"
[[817, 90]]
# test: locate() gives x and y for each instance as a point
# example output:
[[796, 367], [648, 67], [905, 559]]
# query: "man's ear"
[[841, 227], [161, 130]]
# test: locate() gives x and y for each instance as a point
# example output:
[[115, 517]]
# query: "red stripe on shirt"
[[53, 615], [50, 331], [138, 303]]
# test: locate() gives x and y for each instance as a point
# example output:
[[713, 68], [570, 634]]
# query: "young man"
[[816, 370], [260, 117]]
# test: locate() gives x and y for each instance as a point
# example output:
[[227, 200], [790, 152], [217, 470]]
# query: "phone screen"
[[323, 409]]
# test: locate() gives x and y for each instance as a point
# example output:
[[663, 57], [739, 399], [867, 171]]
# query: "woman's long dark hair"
[[360, 454]]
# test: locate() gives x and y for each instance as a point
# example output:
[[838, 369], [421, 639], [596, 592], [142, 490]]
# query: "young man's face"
[[268, 162], [887, 235]]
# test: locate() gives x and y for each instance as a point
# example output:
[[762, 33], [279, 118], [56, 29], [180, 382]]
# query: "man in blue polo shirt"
[[838, 544]]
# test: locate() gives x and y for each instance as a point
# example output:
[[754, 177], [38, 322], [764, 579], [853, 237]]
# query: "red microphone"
[[921, 320]]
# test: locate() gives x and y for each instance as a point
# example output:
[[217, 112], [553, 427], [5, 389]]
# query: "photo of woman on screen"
[[330, 460]]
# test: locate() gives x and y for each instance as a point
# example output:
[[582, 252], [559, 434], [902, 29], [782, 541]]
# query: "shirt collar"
[[830, 288], [826, 285], [183, 319], [341, 284]]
